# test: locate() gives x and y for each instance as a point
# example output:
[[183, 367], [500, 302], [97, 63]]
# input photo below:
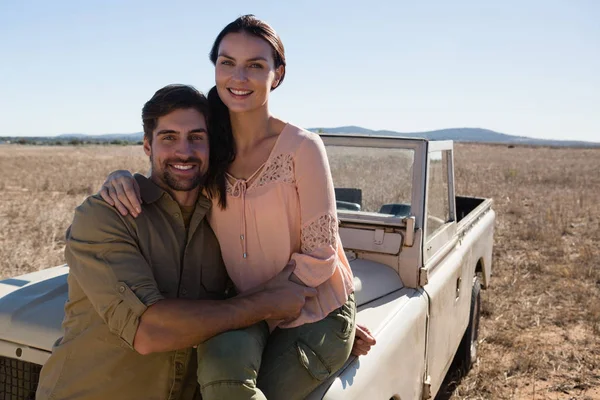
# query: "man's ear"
[[147, 147]]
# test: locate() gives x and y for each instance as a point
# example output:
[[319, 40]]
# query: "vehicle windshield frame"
[[417, 145]]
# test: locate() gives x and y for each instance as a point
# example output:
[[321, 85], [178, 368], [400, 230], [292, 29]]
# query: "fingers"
[[288, 269], [363, 341], [363, 334], [124, 199], [122, 191], [116, 202], [104, 194], [138, 194], [132, 195], [360, 349]]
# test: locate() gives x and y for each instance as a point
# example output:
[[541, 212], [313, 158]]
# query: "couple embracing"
[[222, 274]]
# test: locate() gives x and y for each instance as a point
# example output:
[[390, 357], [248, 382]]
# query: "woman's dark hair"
[[222, 146]]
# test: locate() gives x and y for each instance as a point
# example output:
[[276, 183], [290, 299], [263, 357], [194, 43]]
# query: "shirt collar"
[[151, 192]]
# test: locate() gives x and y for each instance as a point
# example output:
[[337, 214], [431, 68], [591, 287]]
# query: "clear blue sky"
[[527, 68]]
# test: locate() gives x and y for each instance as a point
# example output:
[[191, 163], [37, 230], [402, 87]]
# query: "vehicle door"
[[444, 277]]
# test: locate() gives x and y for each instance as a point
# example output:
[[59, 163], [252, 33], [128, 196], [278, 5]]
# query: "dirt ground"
[[539, 334], [540, 328]]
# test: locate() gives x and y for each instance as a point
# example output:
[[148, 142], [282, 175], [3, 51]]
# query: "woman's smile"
[[240, 93]]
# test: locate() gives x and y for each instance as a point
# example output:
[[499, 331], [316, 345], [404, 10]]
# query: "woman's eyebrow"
[[259, 58]]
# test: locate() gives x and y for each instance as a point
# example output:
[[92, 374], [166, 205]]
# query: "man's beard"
[[176, 184], [186, 186]]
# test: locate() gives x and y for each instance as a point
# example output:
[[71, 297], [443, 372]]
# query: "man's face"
[[179, 151]]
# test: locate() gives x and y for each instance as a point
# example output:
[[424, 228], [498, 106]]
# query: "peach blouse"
[[286, 211]]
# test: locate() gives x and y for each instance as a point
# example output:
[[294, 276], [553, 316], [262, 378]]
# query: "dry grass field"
[[540, 328]]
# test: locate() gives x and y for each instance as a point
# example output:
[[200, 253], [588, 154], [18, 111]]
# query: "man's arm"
[[106, 262], [173, 324]]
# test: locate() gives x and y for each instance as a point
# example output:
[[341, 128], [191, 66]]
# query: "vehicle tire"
[[466, 355]]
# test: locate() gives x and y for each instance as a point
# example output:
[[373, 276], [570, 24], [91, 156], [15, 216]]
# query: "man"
[[143, 291]]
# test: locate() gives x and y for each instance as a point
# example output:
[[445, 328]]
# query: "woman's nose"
[[240, 73]]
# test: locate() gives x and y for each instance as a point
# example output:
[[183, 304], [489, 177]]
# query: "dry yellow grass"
[[541, 318], [39, 188]]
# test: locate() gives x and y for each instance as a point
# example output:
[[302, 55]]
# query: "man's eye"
[[168, 137], [226, 62], [197, 137]]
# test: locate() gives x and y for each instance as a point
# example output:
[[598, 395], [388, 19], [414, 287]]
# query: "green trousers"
[[286, 364]]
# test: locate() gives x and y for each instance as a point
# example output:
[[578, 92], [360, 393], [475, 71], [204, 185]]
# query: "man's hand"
[[121, 190], [362, 341], [283, 298]]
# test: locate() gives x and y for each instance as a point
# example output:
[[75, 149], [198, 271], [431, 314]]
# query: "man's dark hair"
[[171, 98]]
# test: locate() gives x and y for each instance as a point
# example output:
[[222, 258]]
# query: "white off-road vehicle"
[[419, 253]]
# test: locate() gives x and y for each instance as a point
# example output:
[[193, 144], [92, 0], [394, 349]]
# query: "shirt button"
[[183, 291], [178, 367], [176, 215], [121, 289]]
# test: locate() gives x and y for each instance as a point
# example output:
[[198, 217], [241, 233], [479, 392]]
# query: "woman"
[[273, 204]]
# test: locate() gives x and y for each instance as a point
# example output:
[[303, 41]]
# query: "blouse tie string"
[[238, 189]]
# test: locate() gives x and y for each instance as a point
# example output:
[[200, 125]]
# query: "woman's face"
[[245, 72]]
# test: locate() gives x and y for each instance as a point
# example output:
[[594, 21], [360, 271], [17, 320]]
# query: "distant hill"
[[132, 137], [475, 135]]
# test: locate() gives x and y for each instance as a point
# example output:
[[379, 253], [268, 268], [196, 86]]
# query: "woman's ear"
[[279, 71]]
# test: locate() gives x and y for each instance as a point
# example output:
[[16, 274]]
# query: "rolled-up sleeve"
[[105, 260], [317, 260]]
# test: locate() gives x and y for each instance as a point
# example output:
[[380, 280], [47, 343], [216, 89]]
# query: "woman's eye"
[[255, 65], [197, 137]]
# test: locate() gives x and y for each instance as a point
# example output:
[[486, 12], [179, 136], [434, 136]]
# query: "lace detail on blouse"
[[278, 169], [322, 232]]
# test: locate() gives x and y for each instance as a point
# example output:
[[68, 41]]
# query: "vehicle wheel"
[[466, 356]]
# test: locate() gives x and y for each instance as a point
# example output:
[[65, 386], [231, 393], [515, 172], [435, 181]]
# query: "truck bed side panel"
[[449, 289]]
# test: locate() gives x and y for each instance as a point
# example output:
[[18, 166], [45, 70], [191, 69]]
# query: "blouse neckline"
[[257, 173]]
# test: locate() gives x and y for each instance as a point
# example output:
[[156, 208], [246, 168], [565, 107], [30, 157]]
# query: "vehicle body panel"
[[32, 308], [395, 366]]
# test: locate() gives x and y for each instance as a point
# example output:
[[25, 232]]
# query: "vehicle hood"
[[32, 307]]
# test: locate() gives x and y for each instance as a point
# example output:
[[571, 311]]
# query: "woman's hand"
[[362, 341], [121, 190]]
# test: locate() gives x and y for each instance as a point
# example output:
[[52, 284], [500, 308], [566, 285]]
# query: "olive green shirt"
[[119, 266]]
